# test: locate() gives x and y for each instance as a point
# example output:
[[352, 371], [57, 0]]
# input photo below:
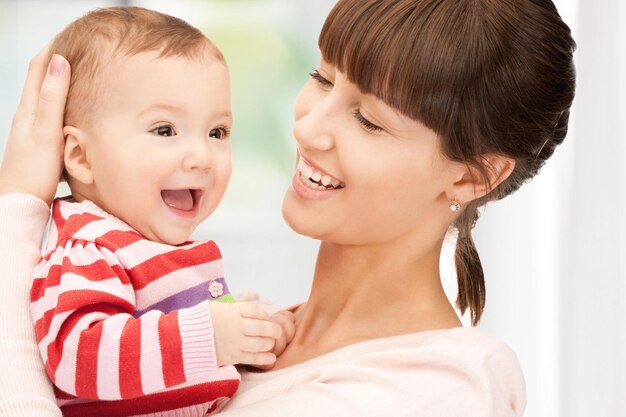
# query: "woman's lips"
[[314, 184], [315, 178]]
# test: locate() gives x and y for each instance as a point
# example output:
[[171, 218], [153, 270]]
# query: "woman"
[[420, 112]]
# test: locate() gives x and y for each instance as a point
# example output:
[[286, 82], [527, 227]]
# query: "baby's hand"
[[287, 321], [244, 333]]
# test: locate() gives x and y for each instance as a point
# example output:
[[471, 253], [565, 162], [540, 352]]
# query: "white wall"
[[555, 252]]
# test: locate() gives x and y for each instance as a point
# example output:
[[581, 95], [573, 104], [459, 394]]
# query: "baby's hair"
[[488, 76], [91, 41]]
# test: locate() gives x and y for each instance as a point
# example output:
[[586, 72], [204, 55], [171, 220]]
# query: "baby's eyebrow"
[[162, 106], [225, 114]]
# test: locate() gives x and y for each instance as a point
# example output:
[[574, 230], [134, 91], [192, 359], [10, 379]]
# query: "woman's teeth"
[[315, 179]]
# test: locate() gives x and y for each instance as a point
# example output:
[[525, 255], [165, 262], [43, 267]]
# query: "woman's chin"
[[298, 220]]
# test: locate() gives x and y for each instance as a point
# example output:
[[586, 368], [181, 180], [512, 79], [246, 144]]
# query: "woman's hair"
[[488, 76], [89, 42]]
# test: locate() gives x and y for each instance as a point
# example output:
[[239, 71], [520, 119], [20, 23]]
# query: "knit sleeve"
[[82, 304], [24, 387]]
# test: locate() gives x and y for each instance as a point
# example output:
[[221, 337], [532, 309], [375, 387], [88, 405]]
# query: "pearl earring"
[[454, 205]]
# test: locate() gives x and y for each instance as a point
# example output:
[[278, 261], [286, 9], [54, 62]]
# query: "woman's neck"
[[361, 293]]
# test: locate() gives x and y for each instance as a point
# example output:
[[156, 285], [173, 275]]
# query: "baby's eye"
[[219, 133], [324, 82], [165, 130]]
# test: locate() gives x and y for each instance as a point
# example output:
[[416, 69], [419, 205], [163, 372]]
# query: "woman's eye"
[[320, 79], [219, 133], [165, 130], [366, 123]]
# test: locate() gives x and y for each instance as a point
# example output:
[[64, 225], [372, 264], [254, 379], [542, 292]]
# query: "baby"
[[131, 317]]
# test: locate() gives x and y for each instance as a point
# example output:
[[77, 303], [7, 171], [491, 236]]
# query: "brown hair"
[[488, 76], [89, 42]]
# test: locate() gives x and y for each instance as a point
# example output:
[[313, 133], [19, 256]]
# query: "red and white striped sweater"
[[123, 323]]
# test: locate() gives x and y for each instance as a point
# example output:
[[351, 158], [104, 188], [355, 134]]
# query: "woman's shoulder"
[[466, 365], [459, 341], [469, 347]]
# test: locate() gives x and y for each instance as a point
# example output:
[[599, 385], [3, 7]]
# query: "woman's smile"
[[313, 183], [317, 178]]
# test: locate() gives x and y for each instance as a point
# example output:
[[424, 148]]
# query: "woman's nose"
[[315, 121], [198, 154]]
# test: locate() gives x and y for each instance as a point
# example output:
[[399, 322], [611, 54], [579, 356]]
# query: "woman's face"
[[365, 174]]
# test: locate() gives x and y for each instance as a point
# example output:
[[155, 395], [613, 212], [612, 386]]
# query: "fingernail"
[[56, 66]]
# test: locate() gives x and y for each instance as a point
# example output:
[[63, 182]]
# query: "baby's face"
[[159, 146]]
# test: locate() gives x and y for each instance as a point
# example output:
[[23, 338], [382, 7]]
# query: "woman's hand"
[[33, 158]]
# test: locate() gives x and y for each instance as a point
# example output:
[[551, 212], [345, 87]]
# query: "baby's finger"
[[257, 344], [260, 328], [288, 315], [287, 322], [52, 97], [252, 311], [279, 345], [34, 78], [258, 358]]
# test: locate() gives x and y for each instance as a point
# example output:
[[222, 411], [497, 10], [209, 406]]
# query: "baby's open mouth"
[[185, 199]]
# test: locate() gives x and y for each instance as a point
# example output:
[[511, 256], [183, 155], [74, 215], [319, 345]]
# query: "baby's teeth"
[[334, 184], [316, 176], [325, 180]]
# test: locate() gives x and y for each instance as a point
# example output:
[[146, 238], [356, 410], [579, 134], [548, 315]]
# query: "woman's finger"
[[32, 86], [52, 97]]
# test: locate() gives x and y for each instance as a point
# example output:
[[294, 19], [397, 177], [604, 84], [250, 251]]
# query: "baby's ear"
[[75, 155]]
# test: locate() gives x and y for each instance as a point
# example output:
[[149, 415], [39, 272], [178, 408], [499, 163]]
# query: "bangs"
[[421, 57]]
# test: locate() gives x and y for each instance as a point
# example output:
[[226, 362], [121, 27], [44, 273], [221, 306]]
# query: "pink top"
[[439, 373]]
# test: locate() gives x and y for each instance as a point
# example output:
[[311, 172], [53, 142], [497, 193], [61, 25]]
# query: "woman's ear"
[[75, 156], [472, 185]]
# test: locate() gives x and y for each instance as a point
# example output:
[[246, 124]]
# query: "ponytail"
[[469, 270]]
